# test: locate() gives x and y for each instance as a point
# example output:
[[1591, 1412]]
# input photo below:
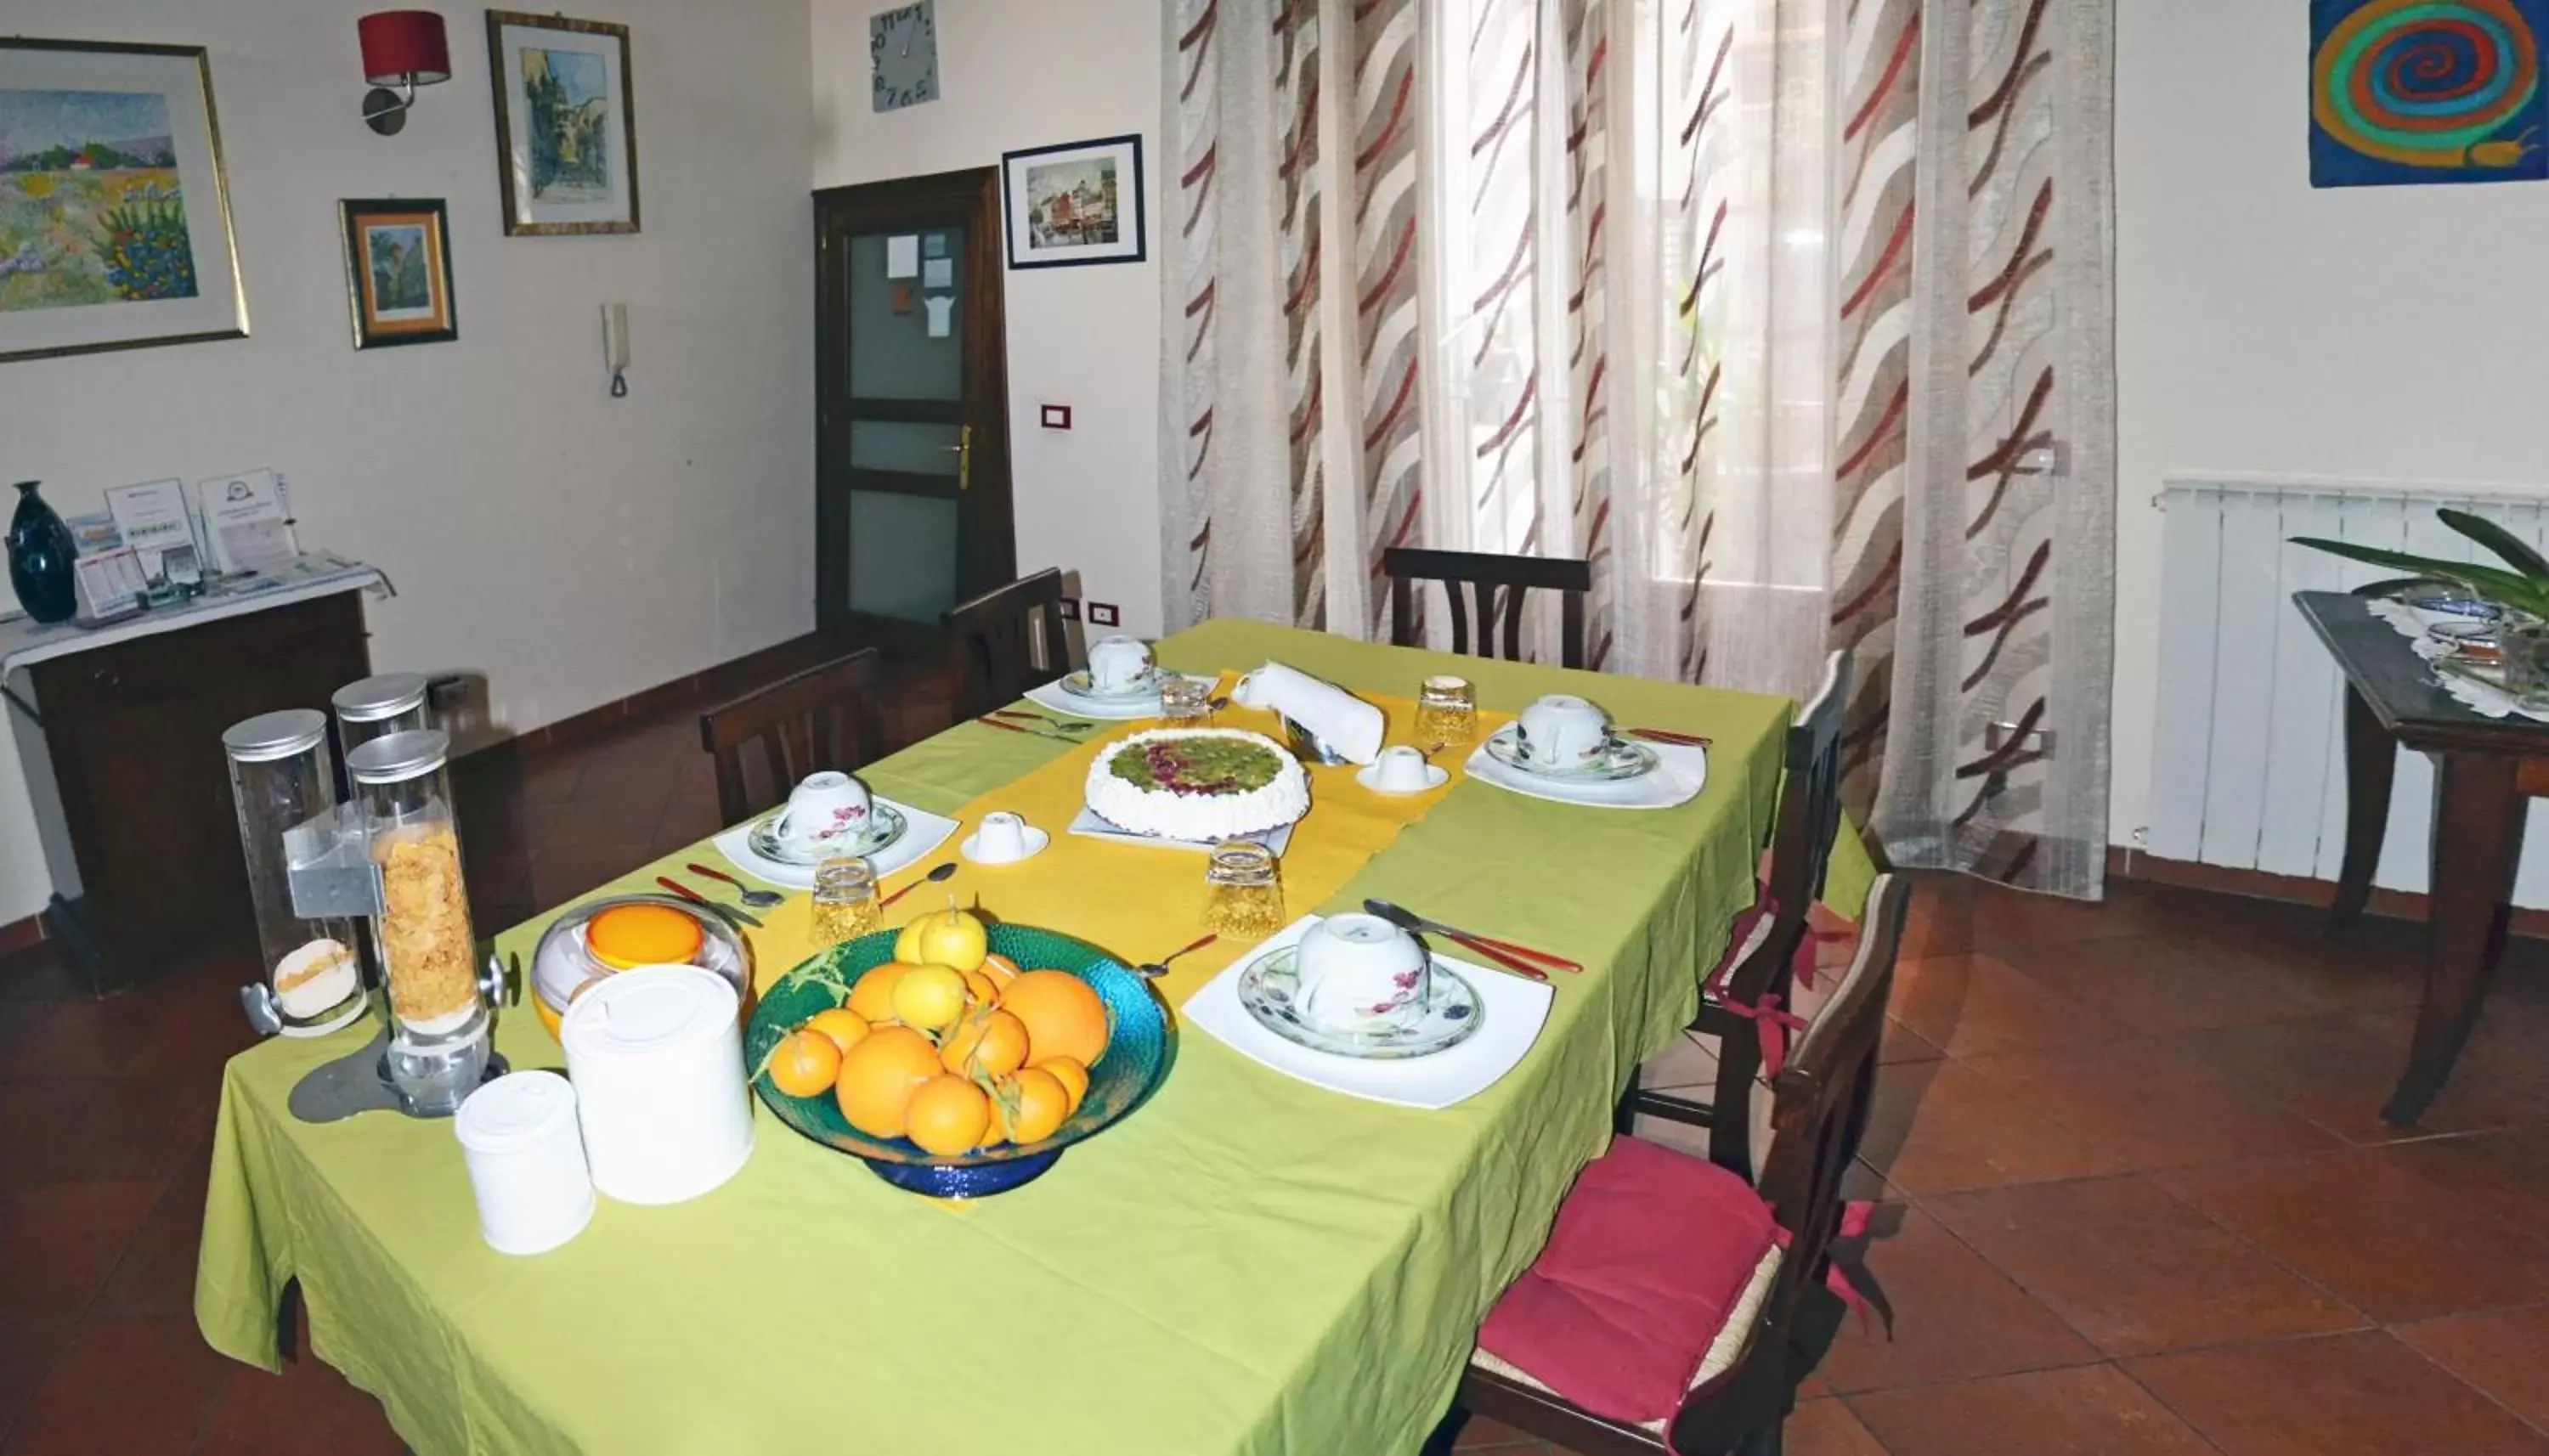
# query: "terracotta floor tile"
[[1955, 1317], [1487, 1433], [157, 1274], [1941, 1126], [1965, 1004], [2161, 986], [1902, 1043], [2137, 1101], [2337, 1070], [2135, 1271], [115, 1130], [1689, 1062], [60, 1241], [122, 1386], [1826, 1429], [2505, 1355], [2091, 1411], [27, 1349], [2363, 1225], [2344, 1395], [2505, 1173], [307, 1410]]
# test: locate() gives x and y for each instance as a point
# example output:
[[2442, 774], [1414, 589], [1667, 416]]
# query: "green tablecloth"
[[1251, 1265]]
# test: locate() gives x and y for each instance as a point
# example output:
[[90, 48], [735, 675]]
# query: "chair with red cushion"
[[1662, 1313], [1750, 997]]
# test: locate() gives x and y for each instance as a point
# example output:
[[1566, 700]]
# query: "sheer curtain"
[[1739, 299]]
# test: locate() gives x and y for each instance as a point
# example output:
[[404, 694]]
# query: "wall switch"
[[1103, 614], [1053, 417], [1070, 608]]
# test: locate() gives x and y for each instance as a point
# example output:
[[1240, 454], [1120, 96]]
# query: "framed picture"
[[1079, 202], [115, 220], [398, 271], [566, 140]]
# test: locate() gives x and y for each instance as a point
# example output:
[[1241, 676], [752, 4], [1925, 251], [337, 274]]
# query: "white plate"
[[1619, 762], [1090, 824], [887, 828], [1436, 776], [1452, 1013], [1036, 839], [1052, 698], [1077, 683], [1680, 773], [926, 832]]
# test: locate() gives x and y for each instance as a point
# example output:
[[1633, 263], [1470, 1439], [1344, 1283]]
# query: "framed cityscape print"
[[398, 271], [566, 139], [115, 220], [1074, 204]]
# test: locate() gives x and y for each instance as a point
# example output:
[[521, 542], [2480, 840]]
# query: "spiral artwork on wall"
[[2426, 91]]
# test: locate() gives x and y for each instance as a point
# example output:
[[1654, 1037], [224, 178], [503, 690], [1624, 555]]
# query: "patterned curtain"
[[1768, 307]]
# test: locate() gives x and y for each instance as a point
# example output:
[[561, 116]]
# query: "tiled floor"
[[2146, 1206]]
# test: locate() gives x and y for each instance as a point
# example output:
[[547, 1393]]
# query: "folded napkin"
[[1341, 720]]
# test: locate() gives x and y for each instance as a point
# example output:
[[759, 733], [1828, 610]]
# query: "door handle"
[[964, 448]]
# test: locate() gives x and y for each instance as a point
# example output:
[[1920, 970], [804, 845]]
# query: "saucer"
[[1436, 776], [1077, 683], [1036, 839], [1266, 989], [1619, 760], [884, 827]]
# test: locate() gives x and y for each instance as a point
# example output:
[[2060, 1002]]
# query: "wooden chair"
[[824, 717], [1771, 936], [1486, 573], [1749, 1366], [1005, 641]]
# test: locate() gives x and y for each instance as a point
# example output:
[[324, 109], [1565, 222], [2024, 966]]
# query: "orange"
[[979, 989], [873, 997], [1064, 1016], [804, 1064], [929, 997], [878, 1076], [1071, 1074], [1001, 969], [991, 1043], [845, 1027], [947, 1116], [1032, 1104]]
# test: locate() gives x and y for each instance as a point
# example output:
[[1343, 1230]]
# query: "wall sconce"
[[405, 48]]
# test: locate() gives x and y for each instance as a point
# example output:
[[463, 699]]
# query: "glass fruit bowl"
[[1141, 1045]]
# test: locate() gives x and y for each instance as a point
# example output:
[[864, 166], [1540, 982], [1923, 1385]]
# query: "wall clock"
[[903, 55]]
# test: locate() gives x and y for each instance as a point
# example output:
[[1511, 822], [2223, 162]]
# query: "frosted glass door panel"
[[892, 354], [902, 555], [907, 449]]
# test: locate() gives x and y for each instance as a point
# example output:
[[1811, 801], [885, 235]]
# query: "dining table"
[[1250, 1264]]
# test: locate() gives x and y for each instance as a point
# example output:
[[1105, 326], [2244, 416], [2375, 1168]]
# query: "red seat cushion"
[[1654, 1253]]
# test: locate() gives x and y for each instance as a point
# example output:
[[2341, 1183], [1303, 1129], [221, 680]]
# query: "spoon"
[[937, 876], [1159, 967], [757, 899]]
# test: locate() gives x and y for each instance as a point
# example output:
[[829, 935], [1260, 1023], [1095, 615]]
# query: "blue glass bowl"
[[1141, 1045]]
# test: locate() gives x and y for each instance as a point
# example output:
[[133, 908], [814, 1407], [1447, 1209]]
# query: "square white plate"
[[923, 832]]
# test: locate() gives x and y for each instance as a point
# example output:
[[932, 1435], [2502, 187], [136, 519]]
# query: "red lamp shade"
[[405, 46]]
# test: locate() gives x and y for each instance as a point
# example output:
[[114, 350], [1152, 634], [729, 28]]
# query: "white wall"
[[572, 547], [2390, 333], [1016, 74]]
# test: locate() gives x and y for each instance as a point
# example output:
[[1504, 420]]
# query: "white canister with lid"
[[657, 1057], [526, 1155]]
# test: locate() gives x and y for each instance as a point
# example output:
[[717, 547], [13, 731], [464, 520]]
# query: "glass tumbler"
[[1447, 712], [1243, 894], [1185, 699], [845, 899]]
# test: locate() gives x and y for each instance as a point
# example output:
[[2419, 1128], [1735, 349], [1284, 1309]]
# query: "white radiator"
[[2249, 752]]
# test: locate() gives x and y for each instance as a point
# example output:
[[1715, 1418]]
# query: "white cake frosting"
[[1198, 816]]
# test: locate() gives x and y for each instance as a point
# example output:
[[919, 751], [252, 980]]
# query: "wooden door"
[[911, 385]]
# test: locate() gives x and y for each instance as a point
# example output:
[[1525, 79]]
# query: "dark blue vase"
[[41, 550]]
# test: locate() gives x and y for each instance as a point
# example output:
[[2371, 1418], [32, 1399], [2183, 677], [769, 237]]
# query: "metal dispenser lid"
[[276, 735], [384, 695], [395, 758]]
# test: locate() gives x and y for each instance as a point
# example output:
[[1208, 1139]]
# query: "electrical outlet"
[[1070, 608], [1103, 614]]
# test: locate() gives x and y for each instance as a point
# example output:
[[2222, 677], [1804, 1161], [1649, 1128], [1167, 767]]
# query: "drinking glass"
[[1185, 699], [1243, 894], [845, 899], [1447, 712]]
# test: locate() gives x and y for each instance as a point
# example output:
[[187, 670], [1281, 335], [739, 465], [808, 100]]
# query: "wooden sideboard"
[[122, 745]]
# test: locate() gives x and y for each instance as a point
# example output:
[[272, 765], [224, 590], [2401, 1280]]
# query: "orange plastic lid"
[[643, 935]]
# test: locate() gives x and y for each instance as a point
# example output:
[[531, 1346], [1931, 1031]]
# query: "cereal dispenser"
[[377, 707], [440, 1010], [281, 777]]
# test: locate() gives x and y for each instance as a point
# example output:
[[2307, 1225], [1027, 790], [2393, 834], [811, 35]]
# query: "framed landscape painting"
[[398, 271], [115, 225], [1074, 204], [566, 142]]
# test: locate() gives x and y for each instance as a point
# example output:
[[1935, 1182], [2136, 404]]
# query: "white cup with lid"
[[657, 1056], [524, 1152]]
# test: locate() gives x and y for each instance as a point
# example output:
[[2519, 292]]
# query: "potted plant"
[[2519, 588]]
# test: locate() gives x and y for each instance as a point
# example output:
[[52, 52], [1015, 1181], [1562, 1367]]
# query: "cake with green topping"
[[1197, 783]]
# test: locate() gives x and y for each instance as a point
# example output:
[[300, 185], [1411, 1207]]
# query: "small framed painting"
[[566, 139], [1074, 204], [398, 271], [115, 220]]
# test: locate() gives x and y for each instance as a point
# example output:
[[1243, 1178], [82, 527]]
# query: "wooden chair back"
[[1487, 575], [1007, 640], [825, 717]]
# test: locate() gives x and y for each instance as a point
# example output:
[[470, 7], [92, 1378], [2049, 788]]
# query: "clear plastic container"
[[380, 705], [281, 777], [439, 1019]]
